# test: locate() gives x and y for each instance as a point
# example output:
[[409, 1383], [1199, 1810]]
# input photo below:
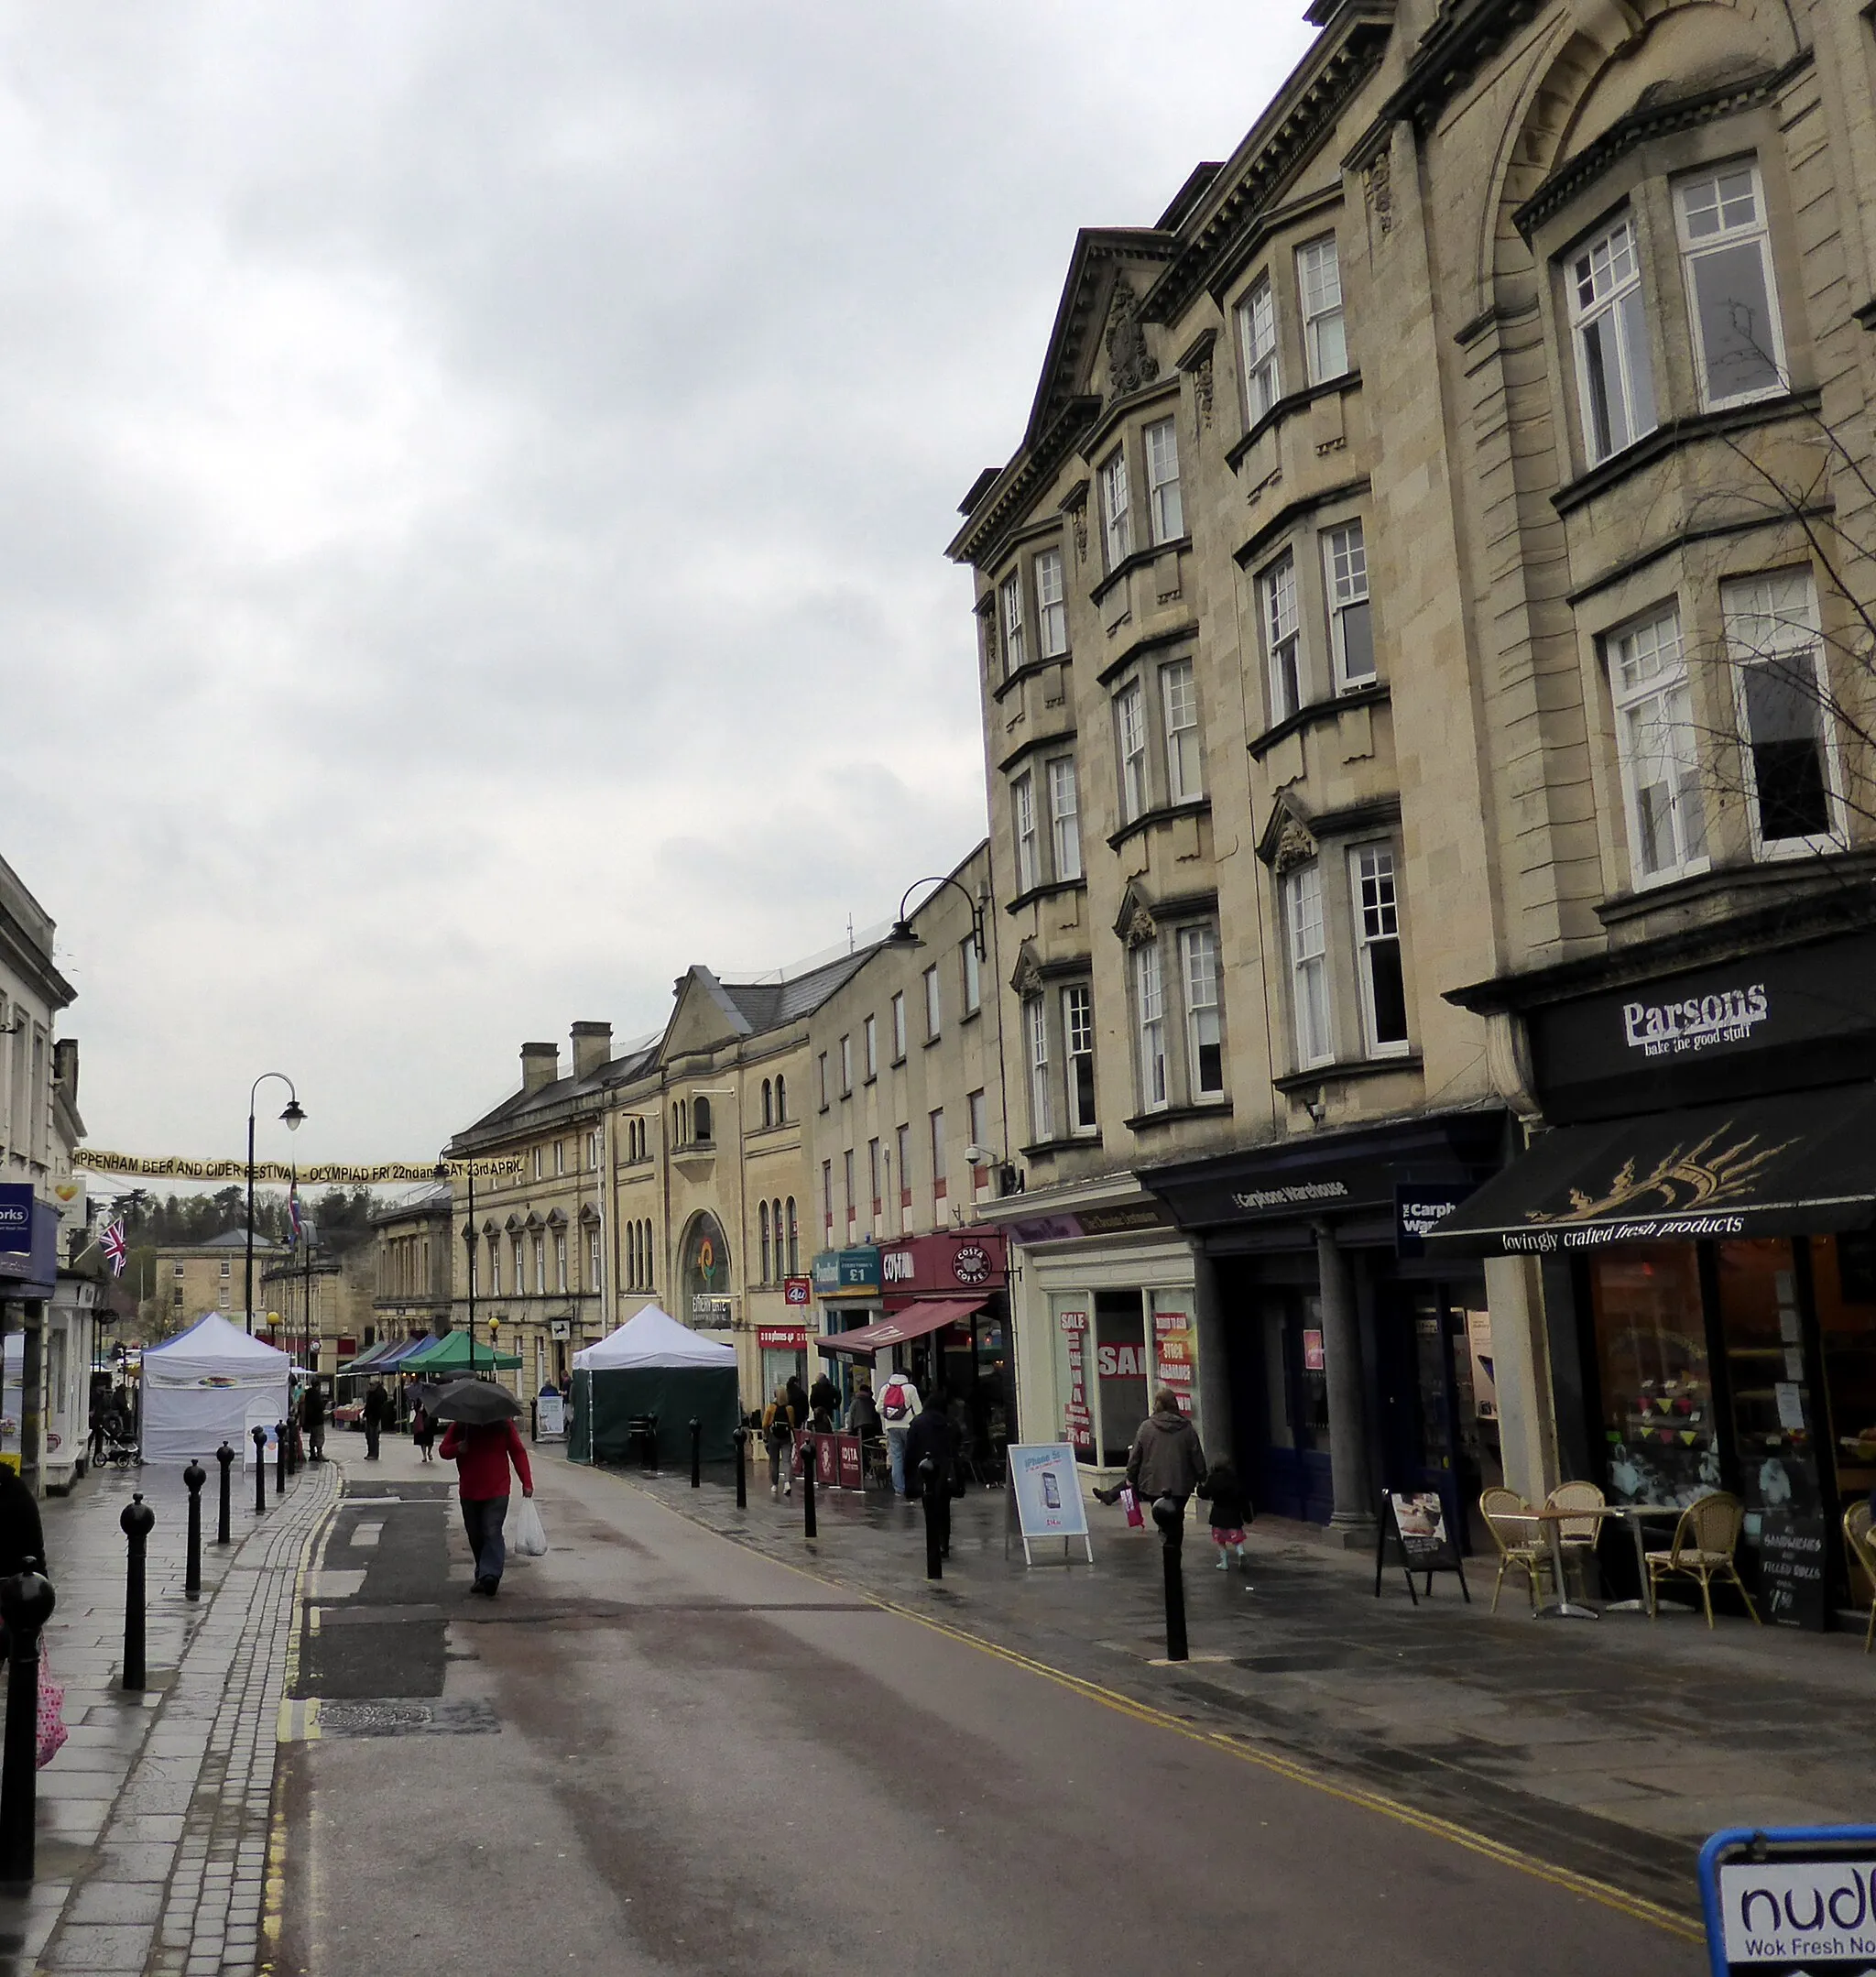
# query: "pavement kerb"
[[274, 1870], [1687, 1928]]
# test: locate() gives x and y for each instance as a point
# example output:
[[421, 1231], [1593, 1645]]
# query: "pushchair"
[[114, 1439]]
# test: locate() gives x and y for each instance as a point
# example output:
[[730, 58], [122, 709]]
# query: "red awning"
[[913, 1322]]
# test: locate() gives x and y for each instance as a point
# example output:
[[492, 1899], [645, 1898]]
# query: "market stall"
[[653, 1366], [207, 1386]]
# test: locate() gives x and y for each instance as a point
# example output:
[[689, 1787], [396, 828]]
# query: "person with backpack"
[[779, 1427], [898, 1408]]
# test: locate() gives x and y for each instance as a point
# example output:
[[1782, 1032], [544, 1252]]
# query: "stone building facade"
[[192, 1280], [1412, 606], [411, 1281]]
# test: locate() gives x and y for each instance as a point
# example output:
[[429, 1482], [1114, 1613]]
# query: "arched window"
[[768, 1103], [764, 1217], [700, 1119], [794, 1241], [781, 1101]]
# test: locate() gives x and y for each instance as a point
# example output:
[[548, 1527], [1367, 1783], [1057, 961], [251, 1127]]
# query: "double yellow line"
[[1233, 1745]]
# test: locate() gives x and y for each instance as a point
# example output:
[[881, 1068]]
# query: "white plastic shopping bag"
[[530, 1538]]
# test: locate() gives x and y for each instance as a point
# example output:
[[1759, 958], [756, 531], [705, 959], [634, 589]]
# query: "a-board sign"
[[1790, 1569], [1793, 1899], [1413, 1537], [550, 1417], [1045, 1499]]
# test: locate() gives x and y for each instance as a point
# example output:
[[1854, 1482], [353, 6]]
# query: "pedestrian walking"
[[1166, 1458], [797, 1400], [898, 1408], [313, 1418], [935, 1436], [824, 1398], [482, 1455], [863, 1415], [377, 1417], [779, 1427], [22, 1537], [1231, 1512], [422, 1432]]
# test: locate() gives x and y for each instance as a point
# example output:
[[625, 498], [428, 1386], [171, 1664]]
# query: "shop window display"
[[1843, 1274], [1771, 1400], [1655, 1380]]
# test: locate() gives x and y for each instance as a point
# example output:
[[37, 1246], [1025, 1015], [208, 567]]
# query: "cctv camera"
[[978, 1156]]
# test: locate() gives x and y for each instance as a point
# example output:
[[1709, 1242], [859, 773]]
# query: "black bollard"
[[809, 1527], [137, 1523], [1169, 1514], [280, 1458], [25, 1605], [193, 1477], [934, 1537], [741, 1438], [225, 1457], [260, 1470], [696, 1453]]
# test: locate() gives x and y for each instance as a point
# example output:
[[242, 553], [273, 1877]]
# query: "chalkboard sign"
[[1791, 1569], [1414, 1538]]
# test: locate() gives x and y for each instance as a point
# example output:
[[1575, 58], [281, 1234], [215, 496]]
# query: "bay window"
[[1150, 1015], [1282, 637], [973, 986], [1309, 973], [1116, 519], [1052, 608], [1036, 1030], [1319, 287], [1609, 322], [1164, 508], [1015, 654], [1732, 299], [1065, 819], [1655, 745], [1204, 1046], [1179, 696], [1345, 577], [1781, 694], [1079, 1046], [1022, 804], [1256, 331], [1131, 730], [1378, 950]]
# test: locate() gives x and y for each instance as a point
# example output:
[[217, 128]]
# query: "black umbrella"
[[475, 1403]]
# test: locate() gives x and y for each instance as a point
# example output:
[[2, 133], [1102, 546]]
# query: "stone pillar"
[[1208, 1340], [1521, 1370], [1354, 1514]]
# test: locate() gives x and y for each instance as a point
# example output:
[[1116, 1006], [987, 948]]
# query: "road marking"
[[1236, 1744], [367, 1534]]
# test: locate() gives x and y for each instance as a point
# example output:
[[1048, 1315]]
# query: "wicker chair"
[[1508, 1518], [1577, 1535], [1705, 1540], [1860, 1542]]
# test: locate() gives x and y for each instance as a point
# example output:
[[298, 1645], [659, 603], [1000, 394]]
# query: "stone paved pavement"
[[1610, 1747], [153, 1820]]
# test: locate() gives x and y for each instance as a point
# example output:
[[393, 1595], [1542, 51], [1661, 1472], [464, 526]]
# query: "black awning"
[[1802, 1163]]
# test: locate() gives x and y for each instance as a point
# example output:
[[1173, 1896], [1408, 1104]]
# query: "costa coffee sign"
[[941, 1264]]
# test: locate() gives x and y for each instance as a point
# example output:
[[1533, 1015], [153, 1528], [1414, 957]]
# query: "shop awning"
[[1798, 1163], [914, 1322]]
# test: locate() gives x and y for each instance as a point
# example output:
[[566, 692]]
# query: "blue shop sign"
[[28, 1241], [16, 1221], [838, 1270]]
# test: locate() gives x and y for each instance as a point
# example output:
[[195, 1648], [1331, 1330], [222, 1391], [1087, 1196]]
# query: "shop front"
[[1701, 1211], [847, 1296], [1352, 1361], [29, 1283], [784, 1349], [968, 1358]]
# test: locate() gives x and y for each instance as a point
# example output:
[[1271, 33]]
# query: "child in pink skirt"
[[1230, 1513]]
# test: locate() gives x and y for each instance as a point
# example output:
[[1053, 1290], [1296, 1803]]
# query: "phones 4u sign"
[[1790, 1900]]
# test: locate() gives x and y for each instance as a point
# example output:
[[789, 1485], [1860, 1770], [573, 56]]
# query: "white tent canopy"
[[208, 1386], [654, 1337]]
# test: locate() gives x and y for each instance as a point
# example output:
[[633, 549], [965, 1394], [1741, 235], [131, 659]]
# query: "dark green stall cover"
[[608, 1399]]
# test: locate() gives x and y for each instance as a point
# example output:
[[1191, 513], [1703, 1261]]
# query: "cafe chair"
[[1508, 1518], [1705, 1540], [1860, 1542], [1577, 1535]]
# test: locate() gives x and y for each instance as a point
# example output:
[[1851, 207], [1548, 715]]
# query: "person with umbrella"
[[482, 1440]]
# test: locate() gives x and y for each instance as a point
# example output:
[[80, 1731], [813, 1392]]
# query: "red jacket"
[[481, 1455]]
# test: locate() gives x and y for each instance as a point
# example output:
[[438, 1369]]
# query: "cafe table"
[[1553, 1520], [1635, 1515]]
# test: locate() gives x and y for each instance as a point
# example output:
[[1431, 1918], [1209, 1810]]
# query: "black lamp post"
[[904, 935], [292, 1116]]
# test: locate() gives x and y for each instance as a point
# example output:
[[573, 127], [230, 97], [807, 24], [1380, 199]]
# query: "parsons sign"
[[1671, 1029]]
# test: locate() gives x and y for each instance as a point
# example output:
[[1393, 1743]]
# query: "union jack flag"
[[115, 1247]]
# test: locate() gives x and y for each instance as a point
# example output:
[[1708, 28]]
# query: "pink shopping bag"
[[1129, 1502], [51, 1723]]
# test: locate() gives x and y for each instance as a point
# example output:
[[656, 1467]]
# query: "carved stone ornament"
[[1026, 978], [1138, 928], [1130, 363], [1295, 847], [990, 617], [1078, 514], [1379, 185], [1202, 395]]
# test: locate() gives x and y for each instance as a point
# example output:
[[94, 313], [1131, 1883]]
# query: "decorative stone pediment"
[[1130, 363], [556, 1218], [1134, 925], [1026, 977], [1287, 840]]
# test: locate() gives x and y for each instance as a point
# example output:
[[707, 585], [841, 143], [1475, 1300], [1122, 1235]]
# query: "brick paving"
[[153, 1820]]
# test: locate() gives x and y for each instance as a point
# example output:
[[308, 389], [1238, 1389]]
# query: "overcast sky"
[[475, 491]]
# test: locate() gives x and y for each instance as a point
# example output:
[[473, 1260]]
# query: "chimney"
[[541, 1064], [592, 1047]]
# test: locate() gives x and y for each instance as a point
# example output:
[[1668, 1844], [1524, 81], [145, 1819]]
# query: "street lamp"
[[904, 935], [291, 1116]]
